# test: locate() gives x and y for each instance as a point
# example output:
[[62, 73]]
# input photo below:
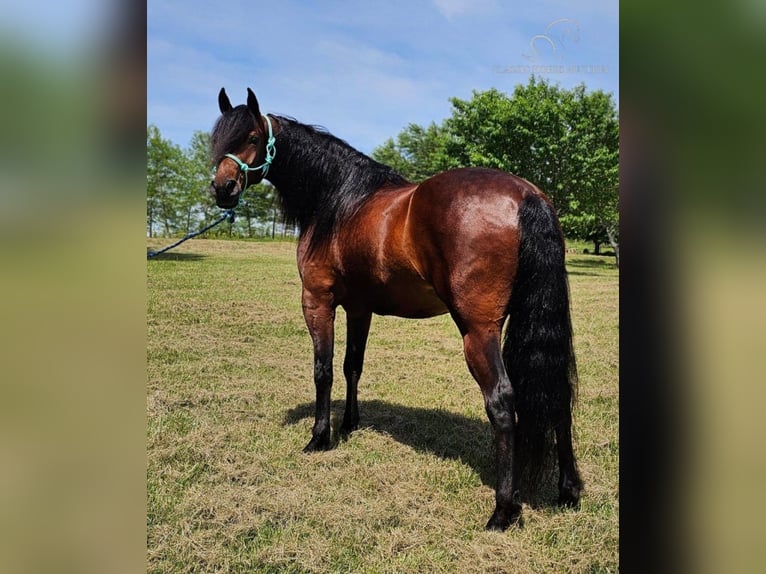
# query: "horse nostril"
[[230, 183]]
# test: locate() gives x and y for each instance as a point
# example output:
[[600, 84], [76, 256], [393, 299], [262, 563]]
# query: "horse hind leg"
[[570, 483], [357, 329], [482, 353]]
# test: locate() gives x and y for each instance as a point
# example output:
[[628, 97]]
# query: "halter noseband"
[[271, 151]]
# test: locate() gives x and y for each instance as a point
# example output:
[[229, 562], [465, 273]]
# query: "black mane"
[[321, 179]]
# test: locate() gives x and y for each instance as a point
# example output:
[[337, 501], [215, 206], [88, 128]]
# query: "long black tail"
[[537, 346]]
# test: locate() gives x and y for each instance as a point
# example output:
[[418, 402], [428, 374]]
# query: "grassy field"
[[230, 406]]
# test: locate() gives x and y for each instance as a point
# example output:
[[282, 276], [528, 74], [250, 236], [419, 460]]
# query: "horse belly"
[[410, 299], [404, 295]]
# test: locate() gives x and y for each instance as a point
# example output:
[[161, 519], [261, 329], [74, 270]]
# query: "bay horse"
[[480, 244]]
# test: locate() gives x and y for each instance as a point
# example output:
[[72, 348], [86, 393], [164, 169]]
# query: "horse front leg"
[[357, 329], [319, 313]]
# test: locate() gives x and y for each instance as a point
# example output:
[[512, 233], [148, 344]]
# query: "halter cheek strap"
[[271, 151]]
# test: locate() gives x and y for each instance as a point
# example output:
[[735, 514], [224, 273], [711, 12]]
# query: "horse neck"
[[309, 167]]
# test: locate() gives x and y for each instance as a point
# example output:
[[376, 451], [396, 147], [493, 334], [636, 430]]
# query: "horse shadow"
[[435, 431], [167, 256], [584, 266]]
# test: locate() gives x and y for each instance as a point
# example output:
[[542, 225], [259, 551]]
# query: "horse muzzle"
[[227, 195]]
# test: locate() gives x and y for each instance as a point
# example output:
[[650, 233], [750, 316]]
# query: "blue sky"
[[364, 70]]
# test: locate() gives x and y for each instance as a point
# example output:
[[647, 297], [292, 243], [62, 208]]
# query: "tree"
[[418, 152], [389, 154], [592, 211], [258, 211], [164, 178], [194, 197]]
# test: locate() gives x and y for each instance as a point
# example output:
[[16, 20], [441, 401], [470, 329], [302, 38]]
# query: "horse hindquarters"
[[465, 237], [538, 352]]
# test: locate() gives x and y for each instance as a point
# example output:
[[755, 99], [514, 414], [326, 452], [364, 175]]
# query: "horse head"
[[242, 141]]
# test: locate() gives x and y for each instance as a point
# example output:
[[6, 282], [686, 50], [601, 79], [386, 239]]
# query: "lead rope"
[[229, 214]]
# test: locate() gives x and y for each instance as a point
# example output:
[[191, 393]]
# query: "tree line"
[[566, 141]]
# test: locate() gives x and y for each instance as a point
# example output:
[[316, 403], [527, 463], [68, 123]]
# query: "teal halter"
[[271, 151]]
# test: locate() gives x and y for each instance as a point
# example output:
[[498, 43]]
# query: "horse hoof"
[[501, 519], [346, 429], [569, 499], [317, 444], [569, 496]]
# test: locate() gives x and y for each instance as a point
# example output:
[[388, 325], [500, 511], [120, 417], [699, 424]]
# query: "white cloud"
[[452, 8]]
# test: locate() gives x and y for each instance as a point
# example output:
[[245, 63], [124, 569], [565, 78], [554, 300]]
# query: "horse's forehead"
[[243, 114], [234, 124]]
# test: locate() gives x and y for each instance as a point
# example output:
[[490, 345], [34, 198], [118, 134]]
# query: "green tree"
[[418, 152], [258, 211], [592, 171], [389, 154], [194, 198], [164, 178]]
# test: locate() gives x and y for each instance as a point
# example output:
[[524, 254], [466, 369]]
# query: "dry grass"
[[230, 400]]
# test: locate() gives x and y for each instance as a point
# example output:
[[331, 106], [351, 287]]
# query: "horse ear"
[[252, 103], [223, 101]]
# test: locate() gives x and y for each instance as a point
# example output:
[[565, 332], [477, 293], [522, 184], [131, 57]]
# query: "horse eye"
[[254, 140]]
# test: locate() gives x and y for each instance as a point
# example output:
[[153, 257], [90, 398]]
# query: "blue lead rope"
[[229, 214]]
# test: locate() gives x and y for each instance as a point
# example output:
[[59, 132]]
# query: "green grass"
[[230, 406]]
